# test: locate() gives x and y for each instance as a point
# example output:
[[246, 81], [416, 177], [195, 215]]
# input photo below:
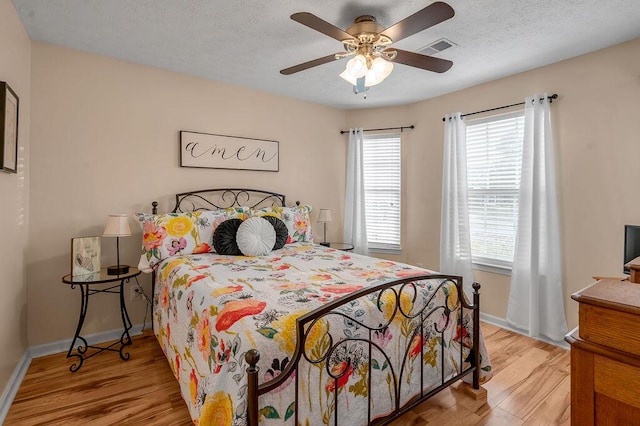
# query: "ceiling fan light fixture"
[[357, 66], [380, 69], [373, 70], [371, 79], [345, 75]]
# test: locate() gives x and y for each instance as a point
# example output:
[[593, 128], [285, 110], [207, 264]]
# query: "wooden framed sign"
[[227, 152], [8, 129]]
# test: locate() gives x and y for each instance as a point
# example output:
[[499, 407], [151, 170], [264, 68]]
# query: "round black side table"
[[87, 284], [339, 246]]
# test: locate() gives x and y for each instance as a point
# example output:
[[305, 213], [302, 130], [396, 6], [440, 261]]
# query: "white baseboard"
[[92, 339], [502, 323], [62, 346], [12, 387]]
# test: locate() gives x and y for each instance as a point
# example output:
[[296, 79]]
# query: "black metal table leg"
[[81, 352], [125, 339], [84, 297]]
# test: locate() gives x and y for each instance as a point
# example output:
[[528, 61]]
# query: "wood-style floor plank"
[[530, 386], [555, 410]]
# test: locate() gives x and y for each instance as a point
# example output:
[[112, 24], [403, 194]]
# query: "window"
[[381, 163], [494, 160]]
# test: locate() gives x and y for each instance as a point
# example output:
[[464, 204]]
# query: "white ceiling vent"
[[437, 46]]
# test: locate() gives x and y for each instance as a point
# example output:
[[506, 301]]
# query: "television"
[[631, 244]]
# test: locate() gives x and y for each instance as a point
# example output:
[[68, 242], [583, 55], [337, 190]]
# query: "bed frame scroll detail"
[[306, 322]]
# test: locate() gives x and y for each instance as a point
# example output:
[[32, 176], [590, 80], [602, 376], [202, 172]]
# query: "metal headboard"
[[222, 198]]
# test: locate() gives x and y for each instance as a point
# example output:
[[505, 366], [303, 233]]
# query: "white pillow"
[[256, 237]]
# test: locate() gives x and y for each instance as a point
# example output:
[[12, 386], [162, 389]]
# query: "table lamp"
[[324, 217], [117, 226]]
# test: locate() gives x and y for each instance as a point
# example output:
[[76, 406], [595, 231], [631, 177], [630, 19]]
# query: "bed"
[[305, 334]]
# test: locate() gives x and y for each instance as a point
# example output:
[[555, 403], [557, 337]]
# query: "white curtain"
[[536, 297], [355, 221], [455, 246]]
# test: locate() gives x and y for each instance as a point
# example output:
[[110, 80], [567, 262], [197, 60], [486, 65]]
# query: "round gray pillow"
[[255, 237]]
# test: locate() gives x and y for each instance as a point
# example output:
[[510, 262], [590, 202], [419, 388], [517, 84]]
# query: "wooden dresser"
[[605, 355]]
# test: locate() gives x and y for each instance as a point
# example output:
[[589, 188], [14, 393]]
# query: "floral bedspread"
[[210, 309]]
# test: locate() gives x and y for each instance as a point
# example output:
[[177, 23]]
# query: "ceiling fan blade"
[[310, 64], [421, 20], [425, 62], [315, 23]]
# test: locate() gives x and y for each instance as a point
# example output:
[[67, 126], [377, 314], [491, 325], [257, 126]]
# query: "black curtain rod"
[[401, 128], [550, 97]]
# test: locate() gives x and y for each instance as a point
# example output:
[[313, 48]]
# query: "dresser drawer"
[[615, 329]]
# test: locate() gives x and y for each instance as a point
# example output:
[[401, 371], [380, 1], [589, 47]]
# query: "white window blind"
[[382, 190], [494, 160]]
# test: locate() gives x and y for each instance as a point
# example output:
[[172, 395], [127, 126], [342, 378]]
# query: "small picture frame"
[[85, 256], [9, 107]]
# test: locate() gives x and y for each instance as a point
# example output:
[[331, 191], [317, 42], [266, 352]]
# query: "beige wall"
[[105, 134], [597, 140], [14, 198], [105, 140]]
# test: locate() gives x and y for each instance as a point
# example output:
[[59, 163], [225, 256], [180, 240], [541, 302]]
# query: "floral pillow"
[[171, 234], [297, 219]]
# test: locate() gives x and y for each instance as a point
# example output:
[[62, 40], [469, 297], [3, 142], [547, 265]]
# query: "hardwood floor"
[[530, 387]]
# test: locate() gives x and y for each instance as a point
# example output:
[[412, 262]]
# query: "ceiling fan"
[[368, 42]]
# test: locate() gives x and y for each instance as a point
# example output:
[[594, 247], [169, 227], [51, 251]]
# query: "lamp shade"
[[349, 78], [373, 69], [380, 70], [325, 215], [357, 66], [117, 226]]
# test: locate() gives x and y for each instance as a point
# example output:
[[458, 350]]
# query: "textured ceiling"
[[246, 42]]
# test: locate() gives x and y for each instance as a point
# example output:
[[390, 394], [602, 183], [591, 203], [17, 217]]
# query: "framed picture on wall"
[[8, 128], [228, 152], [85, 256]]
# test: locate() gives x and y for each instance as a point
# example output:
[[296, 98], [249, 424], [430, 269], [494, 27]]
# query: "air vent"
[[437, 46]]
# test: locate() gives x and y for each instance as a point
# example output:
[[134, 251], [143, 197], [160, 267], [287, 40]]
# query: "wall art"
[[85, 256], [9, 103], [228, 152]]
